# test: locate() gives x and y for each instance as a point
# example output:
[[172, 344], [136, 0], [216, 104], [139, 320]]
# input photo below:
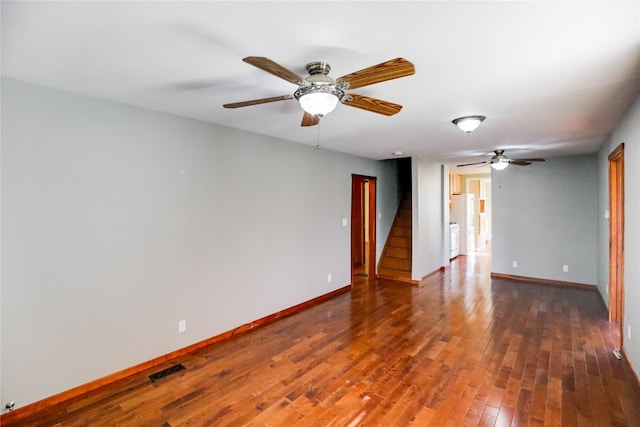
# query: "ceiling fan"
[[499, 161], [318, 94]]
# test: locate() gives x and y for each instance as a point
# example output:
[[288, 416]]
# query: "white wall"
[[428, 221], [627, 131], [446, 230], [544, 217], [118, 222]]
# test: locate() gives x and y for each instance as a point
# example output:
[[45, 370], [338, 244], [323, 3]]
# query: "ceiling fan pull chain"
[[318, 136]]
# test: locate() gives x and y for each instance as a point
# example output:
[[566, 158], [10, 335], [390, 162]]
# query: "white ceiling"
[[553, 78]]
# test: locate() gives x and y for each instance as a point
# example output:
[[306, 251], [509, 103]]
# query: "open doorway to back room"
[[470, 214], [480, 187], [363, 227]]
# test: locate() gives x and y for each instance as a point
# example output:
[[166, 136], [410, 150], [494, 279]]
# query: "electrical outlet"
[[345, 222], [515, 264], [182, 326], [329, 278], [565, 268]]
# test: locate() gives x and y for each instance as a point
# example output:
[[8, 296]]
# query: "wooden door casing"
[[616, 238]]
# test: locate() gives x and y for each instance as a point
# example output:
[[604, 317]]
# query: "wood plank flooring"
[[459, 350]]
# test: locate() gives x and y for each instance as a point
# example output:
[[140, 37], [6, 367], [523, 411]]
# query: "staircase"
[[395, 262]]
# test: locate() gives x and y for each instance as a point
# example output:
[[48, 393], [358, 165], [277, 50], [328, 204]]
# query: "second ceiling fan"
[[499, 161], [318, 94]]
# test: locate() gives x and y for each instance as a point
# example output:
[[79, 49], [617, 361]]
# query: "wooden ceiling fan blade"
[[257, 101], [274, 68], [372, 104], [519, 162], [474, 163], [309, 120], [530, 160], [388, 70]]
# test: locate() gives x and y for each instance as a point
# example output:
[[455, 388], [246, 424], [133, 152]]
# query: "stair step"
[[404, 213], [396, 264], [399, 242], [388, 272], [401, 232], [402, 222], [402, 253]]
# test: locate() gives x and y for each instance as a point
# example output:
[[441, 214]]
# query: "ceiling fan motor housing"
[[318, 67], [499, 157]]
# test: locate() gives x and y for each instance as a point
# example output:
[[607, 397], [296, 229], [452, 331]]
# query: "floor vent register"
[[166, 372]]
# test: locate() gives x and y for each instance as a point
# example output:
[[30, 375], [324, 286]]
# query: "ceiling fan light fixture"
[[499, 164], [318, 103], [468, 124]]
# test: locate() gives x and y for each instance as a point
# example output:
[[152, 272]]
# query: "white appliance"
[[454, 239], [463, 211]]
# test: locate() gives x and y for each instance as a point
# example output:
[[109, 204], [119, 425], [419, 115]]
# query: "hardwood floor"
[[459, 350]]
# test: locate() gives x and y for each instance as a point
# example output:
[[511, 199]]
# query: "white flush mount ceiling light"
[[322, 93], [468, 124]]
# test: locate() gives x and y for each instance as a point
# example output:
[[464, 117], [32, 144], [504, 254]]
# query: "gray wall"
[[544, 217], [627, 131], [428, 222], [118, 222], [388, 198]]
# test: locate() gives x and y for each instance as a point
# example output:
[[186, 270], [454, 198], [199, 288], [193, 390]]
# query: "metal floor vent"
[[165, 372]]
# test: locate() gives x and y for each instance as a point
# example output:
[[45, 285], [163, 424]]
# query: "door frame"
[[616, 238], [358, 184]]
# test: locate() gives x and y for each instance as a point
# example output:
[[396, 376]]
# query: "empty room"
[[301, 213]]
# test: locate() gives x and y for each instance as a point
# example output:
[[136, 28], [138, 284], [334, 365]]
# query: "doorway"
[[481, 188], [616, 238], [363, 227]]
